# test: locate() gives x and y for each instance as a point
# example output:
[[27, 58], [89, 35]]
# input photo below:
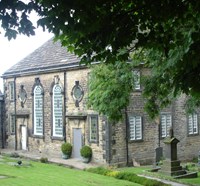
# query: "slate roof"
[[50, 56]]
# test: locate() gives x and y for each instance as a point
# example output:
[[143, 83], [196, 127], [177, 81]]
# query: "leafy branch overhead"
[[166, 31], [109, 89]]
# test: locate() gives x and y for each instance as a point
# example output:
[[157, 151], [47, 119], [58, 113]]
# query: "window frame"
[[97, 128], [11, 91], [137, 82], [54, 135], [135, 139], [188, 124], [12, 124], [34, 111], [167, 128]]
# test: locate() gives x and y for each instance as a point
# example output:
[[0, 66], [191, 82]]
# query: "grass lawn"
[[143, 170], [39, 174]]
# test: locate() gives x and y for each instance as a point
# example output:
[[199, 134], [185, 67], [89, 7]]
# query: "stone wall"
[[47, 144], [142, 151], [112, 146], [189, 146]]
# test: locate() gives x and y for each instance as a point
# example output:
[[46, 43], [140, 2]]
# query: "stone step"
[[171, 163], [187, 175], [173, 173], [169, 168]]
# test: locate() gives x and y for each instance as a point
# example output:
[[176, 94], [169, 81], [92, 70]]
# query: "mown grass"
[[126, 175], [40, 174], [144, 171], [43, 174]]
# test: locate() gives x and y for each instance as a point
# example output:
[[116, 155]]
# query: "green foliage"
[[14, 155], [100, 170], [139, 179], [192, 167], [126, 176], [195, 159], [14, 18], [43, 160], [66, 148], [110, 86], [86, 151], [164, 36]]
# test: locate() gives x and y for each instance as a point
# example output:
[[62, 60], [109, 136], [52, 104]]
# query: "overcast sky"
[[13, 51]]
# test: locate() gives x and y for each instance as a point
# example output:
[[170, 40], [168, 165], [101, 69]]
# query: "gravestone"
[[159, 154], [171, 165]]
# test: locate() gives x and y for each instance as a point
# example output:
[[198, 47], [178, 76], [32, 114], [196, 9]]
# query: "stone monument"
[[171, 165]]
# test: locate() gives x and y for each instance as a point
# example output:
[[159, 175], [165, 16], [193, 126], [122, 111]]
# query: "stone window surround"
[[12, 124], [137, 83], [11, 91], [56, 82], [89, 129], [141, 125], [197, 118], [37, 83]]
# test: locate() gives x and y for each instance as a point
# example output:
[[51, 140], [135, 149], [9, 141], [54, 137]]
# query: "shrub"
[[126, 176], [139, 179], [14, 155], [195, 160], [86, 151], [66, 148], [43, 160], [100, 170]]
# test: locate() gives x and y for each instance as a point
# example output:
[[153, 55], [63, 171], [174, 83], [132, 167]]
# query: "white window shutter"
[[138, 128], [166, 123], [195, 124], [135, 127], [192, 124]]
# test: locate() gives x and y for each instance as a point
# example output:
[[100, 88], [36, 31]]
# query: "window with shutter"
[[57, 111], [166, 123], [192, 124], [38, 110], [135, 128]]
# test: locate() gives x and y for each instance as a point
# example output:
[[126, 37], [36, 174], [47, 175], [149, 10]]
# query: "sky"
[[13, 51]]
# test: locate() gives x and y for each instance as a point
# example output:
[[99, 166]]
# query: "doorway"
[[77, 142], [24, 137]]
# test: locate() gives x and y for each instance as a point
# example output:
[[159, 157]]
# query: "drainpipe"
[[108, 136], [1, 119], [127, 149], [64, 109], [159, 133], [15, 113]]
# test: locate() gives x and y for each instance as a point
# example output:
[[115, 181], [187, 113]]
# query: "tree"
[[109, 88], [166, 31]]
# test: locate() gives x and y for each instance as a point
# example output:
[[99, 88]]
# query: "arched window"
[[38, 110], [57, 111]]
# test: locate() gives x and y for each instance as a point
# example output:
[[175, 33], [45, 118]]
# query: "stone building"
[[45, 105]]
